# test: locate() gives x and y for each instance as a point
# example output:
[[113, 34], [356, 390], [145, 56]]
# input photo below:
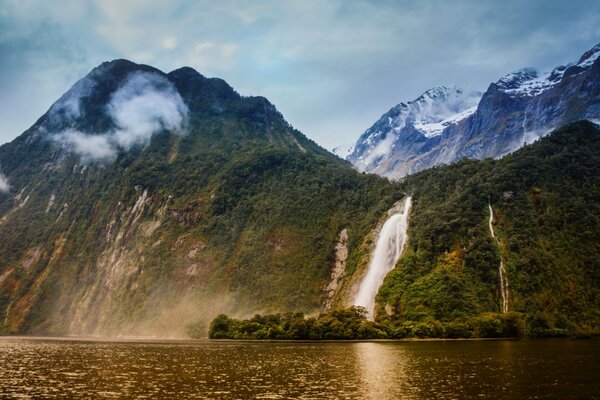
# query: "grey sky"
[[332, 67]]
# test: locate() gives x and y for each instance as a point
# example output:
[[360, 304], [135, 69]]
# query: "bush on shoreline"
[[352, 324]]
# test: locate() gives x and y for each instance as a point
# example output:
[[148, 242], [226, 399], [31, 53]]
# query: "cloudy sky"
[[332, 67]]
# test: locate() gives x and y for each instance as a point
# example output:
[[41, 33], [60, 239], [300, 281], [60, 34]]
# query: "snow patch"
[[589, 57], [528, 82], [436, 128]]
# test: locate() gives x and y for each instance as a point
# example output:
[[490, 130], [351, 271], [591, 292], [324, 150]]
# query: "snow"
[[436, 128], [529, 84], [440, 107], [429, 114], [589, 57], [527, 81]]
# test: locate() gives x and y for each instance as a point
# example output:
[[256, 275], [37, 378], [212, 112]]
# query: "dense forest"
[[546, 204], [239, 213], [352, 324]]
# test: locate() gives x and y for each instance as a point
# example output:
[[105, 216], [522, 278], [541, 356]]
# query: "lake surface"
[[545, 369]]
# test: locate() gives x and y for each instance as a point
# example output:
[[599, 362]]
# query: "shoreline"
[[174, 340]]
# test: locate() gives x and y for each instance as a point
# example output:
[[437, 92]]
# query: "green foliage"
[[248, 208], [546, 202], [352, 324], [344, 324]]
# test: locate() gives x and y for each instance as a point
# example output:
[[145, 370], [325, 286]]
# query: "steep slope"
[[143, 201], [411, 128], [545, 200], [517, 109]]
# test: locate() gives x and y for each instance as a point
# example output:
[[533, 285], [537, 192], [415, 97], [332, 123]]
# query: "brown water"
[[548, 369]]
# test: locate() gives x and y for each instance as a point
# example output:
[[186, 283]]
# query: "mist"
[[146, 104]]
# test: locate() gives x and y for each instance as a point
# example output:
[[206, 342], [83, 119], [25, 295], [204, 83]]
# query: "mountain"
[[545, 201], [517, 109], [145, 203], [142, 202]]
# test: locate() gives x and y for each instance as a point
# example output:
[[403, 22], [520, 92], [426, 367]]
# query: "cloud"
[[89, 147], [331, 67], [68, 106], [146, 104], [4, 186]]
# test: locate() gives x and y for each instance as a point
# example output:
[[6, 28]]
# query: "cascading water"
[[388, 249], [501, 269]]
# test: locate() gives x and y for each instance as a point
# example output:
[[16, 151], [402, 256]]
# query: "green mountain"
[[546, 204], [143, 201]]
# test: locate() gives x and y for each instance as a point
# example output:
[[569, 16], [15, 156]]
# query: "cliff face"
[[143, 201]]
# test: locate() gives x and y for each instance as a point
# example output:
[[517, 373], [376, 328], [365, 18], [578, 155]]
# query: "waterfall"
[[388, 249], [501, 268]]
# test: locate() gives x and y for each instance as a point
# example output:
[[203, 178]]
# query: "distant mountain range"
[[445, 124]]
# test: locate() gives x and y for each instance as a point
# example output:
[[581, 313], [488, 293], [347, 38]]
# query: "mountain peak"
[[439, 128], [517, 78], [440, 93], [187, 72], [589, 56]]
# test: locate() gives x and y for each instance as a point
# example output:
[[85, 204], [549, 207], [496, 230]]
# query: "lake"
[[69, 368]]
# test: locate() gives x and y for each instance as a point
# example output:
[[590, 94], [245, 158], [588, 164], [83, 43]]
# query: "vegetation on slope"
[[546, 202], [241, 213]]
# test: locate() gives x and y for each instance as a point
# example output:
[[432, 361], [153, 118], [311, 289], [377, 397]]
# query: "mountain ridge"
[[518, 108]]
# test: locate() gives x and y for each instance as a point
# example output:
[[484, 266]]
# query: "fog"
[[146, 104]]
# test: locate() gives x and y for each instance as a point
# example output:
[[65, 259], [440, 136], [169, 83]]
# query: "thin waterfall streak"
[[501, 269], [388, 249]]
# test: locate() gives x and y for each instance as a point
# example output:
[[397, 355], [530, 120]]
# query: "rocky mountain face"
[[517, 109], [142, 202]]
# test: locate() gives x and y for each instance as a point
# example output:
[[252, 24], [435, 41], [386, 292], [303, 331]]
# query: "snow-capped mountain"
[[446, 124], [417, 122]]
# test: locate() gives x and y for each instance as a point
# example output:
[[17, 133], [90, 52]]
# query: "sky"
[[332, 67]]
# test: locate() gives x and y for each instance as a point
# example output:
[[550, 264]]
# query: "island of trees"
[[352, 324]]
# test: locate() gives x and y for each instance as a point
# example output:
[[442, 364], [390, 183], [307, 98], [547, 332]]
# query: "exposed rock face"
[[338, 270], [517, 109]]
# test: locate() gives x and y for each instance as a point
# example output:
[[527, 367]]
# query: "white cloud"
[[89, 147], [143, 106], [332, 67], [4, 186], [146, 104]]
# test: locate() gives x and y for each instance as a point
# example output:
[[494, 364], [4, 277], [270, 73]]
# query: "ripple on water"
[[209, 370]]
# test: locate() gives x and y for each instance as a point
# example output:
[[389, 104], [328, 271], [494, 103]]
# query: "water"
[[388, 249], [548, 369], [501, 269]]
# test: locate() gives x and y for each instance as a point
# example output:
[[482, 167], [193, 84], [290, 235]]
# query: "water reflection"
[[382, 369], [558, 369]]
